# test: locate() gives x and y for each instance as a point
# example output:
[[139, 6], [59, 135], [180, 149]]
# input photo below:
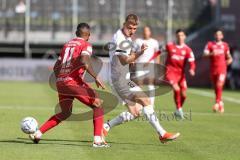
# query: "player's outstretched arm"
[[132, 57], [87, 63]]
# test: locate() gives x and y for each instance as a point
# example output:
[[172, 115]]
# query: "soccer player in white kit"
[[146, 57], [121, 56]]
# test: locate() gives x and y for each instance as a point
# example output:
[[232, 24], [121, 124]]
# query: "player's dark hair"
[[81, 28], [218, 29], [180, 30]]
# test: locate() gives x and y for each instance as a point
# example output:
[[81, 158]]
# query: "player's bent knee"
[[63, 115], [97, 103], [143, 101]]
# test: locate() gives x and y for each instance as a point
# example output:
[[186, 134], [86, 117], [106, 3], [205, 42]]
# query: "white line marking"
[[114, 111], [211, 95], [26, 107]]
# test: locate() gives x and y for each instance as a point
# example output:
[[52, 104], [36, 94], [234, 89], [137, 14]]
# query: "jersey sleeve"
[[167, 48], [191, 59], [120, 45], [87, 49], [156, 46], [207, 49]]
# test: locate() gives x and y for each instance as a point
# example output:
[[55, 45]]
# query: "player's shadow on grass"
[[87, 142], [46, 141], [15, 141]]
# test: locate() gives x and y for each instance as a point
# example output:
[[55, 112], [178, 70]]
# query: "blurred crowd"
[[234, 70]]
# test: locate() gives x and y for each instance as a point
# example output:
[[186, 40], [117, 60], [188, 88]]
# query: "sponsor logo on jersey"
[[177, 57]]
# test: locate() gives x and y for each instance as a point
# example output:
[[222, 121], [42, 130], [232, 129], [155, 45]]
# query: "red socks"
[[98, 121], [218, 92], [183, 98], [52, 122], [56, 119], [177, 98]]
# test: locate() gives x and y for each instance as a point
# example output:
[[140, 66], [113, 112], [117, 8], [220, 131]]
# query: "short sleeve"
[[168, 47], [156, 46], [87, 50], [207, 48], [121, 45], [190, 57]]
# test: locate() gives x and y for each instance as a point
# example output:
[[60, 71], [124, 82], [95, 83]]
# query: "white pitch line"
[[161, 112], [26, 107], [207, 94]]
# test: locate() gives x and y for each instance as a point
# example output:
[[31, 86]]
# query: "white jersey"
[[121, 45], [120, 78], [153, 46]]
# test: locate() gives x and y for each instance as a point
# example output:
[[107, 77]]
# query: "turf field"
[[204, 135]]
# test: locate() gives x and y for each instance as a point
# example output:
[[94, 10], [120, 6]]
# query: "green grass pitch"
[[205, 136]]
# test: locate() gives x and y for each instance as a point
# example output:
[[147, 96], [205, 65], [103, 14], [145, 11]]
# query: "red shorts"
[[79, 90], [179, 79], [218, 77]]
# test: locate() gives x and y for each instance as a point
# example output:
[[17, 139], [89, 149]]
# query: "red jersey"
[[177, 58], [219, 51], [71, 69]]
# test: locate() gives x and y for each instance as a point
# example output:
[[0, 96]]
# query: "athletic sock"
[[121, 118], [218, 92], [152, 94], [97, 139], [177, 98], [183, 98], [98, 120], [52, 122], [38, 134], [153, 119]]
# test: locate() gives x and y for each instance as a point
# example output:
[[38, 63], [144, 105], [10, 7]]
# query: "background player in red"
[[178, 53], [73, 61], [219, 54]]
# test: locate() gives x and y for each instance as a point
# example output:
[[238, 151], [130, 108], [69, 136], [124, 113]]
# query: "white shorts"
[[125, 89]]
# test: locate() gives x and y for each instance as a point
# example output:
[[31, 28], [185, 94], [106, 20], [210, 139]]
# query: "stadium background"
[[33, 31], [30, 42]]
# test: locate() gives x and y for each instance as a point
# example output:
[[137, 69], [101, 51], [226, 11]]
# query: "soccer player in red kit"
[[219, 54], [72, 63], [178, 53]]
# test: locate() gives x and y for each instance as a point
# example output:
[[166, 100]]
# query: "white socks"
[[38, 134], [152, 94], [127, 116], [123, 117], [97, 139], [153, 119]]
